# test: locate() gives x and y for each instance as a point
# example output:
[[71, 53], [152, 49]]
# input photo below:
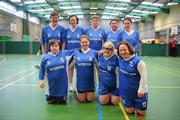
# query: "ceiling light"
[[154, 12], [70, 7], [92, 12], [93, 8], [123, 0], [34, 2], [74, 13], [107, 17], [15, 0], [115, 8], [41, 10], [169, 4], [152, 4]]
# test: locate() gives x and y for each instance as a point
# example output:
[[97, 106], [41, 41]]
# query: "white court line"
[[4, 59], [165, 87], [17, 80], [16, 74], [23, 85]]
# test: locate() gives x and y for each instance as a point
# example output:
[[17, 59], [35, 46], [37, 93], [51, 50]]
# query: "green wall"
[[19, 47], [32, 47], [153, 49]]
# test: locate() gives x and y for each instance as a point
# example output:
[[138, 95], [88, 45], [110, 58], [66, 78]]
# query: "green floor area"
[[21, 98]]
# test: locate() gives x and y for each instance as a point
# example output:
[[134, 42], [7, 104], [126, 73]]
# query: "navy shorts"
[[137, 103], [105, 90], [56, 100], [84, 91]]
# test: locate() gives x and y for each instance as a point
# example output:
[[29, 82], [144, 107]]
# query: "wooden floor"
[[22, 99]]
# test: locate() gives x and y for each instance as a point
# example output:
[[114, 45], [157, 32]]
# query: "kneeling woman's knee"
[[140, 112], [130, 110]]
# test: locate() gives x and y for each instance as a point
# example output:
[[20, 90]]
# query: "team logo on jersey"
[[90, 58], [78, 58], [49, 35], [90, 34], [58, 34], [62, 59], [144, 104], [100, 35], [78, 36], [68, 36], [131, 64], [109, 68], [48, 62]]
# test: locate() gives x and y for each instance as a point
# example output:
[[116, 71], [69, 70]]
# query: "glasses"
[[106, 48]]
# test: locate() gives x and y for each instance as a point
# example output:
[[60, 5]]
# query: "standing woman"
[[96, 34], [54, 63], [51, 31], [132, 80], [114, 34], [72, 41], [84, 60], [130, 35], [108, 84]]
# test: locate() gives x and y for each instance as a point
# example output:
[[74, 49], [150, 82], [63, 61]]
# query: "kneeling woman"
[[132, 79], [108, 85], [85, 60], [54, 64]]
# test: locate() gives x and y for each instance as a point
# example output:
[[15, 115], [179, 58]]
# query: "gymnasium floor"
[[22, 99]]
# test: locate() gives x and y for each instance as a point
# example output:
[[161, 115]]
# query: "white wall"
[[165, 21]]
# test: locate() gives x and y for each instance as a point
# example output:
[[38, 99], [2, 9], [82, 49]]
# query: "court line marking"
[[151, 87], [11, 83], [123, 111], [100, 115], [159, 68], [23, 85], [164, 67], [100, 111], [165, 87], [4, 59], [16, 74]]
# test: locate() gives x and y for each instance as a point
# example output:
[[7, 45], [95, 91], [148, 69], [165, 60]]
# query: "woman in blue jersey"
[[54, 63], [51, 31], [108, 84], [84, 60], [130, 35], [114, 34], [96, 34], [72, 41], [132, 79]]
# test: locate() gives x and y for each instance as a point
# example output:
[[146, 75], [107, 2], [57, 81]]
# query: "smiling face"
[[84, 43], [73, 21], [127, 25], [95, 22], [114, 25], [54, 20], [108, 49], [54, 48], [124, 51]]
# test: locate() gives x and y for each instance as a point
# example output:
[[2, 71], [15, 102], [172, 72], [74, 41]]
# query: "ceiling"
[[106, 9]]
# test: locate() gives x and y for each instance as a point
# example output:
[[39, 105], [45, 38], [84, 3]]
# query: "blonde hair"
[[109, 43]]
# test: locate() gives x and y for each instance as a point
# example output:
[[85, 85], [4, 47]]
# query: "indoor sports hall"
[[21, 26]]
